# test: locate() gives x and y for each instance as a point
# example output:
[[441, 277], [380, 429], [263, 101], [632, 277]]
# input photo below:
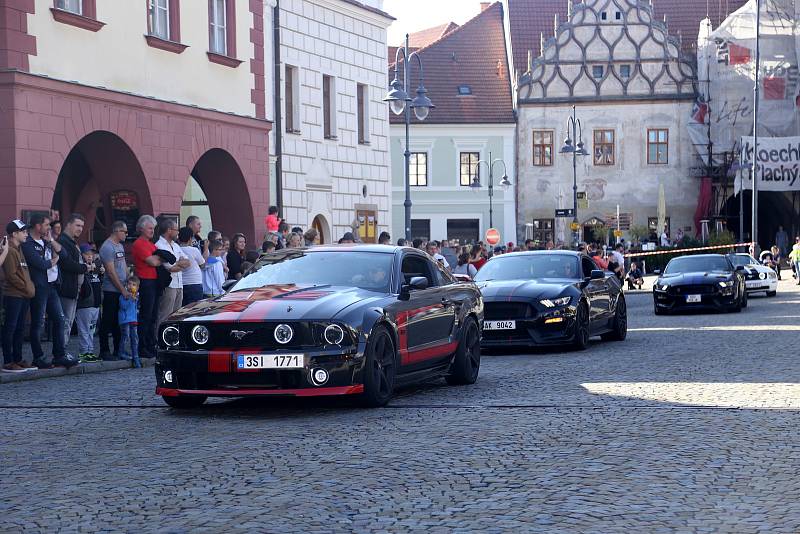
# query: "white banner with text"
[[777, 164]]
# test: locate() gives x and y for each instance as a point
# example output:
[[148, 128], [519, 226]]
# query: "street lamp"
[[576, 150], [505, 183], [398, 100]]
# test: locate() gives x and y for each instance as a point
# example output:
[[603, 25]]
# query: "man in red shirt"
[[145, 264]]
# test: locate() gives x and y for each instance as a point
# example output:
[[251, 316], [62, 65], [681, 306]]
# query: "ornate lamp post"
[[574, 123], [505, 183], [398, 100]]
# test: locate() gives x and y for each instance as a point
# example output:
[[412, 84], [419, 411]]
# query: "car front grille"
[[496, 311], [695, 289]]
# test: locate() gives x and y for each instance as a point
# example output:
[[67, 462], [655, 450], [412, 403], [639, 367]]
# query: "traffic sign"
[[565, 212], [492, 236]]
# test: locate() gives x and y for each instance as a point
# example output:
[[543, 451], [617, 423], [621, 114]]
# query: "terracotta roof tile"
[[530, 18], [473, 54]]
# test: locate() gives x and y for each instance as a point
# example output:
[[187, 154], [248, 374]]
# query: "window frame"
[[362, 114], [656, 144], [652, 226], [622, 74], [534, 144], [544, 232], [153, 9], [473, 169], [412, 177], [603, 143], [291, 93], [214, 26], [329, 129], [63, 6], [85, 18], [602, 72]]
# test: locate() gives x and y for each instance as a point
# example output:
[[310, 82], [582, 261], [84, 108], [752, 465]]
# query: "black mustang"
[[549, 298], [332, 320], [703, 281]]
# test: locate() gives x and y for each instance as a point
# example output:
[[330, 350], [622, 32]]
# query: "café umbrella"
[[662, 210]]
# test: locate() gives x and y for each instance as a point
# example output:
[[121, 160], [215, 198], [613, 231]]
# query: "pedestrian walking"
[[112, 255], [42, 256], [18, 289], [88, 307], [192, 275], [145, 262], [128, 323], [236, 256], [172, 297], [782, 240], [73, 270], [214, 272]]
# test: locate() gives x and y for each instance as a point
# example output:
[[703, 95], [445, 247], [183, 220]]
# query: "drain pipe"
[[276, 53]]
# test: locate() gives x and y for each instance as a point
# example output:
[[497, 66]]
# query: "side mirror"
[[227, 284], [415, 284], [657, 271], [740, 268], [597, 274]]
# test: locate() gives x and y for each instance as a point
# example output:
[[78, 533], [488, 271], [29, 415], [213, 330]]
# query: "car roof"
[[700, 256], [346, 247], [543, 253]]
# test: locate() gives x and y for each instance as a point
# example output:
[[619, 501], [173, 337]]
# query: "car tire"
[[380, 368], [771, 293], [467, 362], [744, 299], [581, 338], [619, 328], [185, 402]]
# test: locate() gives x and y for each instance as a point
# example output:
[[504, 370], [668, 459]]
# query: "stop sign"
[[492, 236]]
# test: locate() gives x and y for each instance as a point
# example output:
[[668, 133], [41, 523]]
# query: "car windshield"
[[523, 267], [742, 259], [696, 264], [366, 270]]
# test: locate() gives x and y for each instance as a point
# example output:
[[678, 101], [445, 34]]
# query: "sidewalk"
[[93, 367]]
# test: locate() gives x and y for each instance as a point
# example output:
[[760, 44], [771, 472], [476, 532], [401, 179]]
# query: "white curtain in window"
[[218, 22], [73, 6], [159, 18]]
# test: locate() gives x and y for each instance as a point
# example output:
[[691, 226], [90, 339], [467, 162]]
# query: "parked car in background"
[[758, 277], [702, 281]]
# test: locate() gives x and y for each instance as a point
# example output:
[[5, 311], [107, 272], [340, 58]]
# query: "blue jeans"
[[47, 300], [192, 293], [129, 339], [13, 328]]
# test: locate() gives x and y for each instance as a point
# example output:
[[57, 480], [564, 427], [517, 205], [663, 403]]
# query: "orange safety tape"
[[674, 251]]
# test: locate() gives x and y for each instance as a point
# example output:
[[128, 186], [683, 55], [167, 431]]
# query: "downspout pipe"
[[276, 52]]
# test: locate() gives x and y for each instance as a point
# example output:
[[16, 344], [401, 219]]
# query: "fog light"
[[319, 376], [553, 320], [168, 376]]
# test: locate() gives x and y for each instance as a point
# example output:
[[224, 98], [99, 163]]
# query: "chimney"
[[484, 6]]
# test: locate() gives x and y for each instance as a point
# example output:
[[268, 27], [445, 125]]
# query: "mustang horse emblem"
[[239, 335]]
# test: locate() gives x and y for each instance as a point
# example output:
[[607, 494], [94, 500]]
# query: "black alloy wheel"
[[620, 325], [380, 367], [581, 329], [744, 298], [467, 361], [185, 402]]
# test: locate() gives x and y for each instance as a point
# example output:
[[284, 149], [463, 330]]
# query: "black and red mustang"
[[331, 320]]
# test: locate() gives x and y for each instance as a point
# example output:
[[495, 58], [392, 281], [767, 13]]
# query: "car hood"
[[538, 288], [695, 278], [277, 302]]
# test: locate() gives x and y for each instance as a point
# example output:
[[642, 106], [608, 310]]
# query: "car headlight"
[[762, 276], [552, 303], [662, 287], [200, 334], [334, 334], [171, 336], [728, 283], [283, 334]]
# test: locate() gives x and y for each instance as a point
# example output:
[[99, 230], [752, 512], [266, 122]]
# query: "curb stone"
[[83, 368]]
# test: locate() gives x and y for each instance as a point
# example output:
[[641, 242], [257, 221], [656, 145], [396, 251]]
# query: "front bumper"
[[710, 301], [556, 327], [214, 373], [767, 284]]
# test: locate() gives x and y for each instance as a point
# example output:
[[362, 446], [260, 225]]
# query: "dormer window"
[[604, 16], [619, 16], [464, 90], [597, 72], [625, 71]]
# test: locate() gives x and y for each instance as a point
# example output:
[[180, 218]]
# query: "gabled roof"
[[531, 18], [472, 55], [425, 37]]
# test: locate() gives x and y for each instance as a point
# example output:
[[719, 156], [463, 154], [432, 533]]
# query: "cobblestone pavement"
[[688, 426]]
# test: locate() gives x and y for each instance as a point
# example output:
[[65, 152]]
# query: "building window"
[[292, 100], [542, 148], [625, 71], [222, 27], [655, 232], [618, 15], [463, 231], [543, 230], [418, 171], [329, 106], [421, 229], [363, 113], [158, 16], [73, 6], [604, 147], [597, 71], [657, 146], [469, 167]]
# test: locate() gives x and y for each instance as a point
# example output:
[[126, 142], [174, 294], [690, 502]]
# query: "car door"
[[596, 292], [422, 319]]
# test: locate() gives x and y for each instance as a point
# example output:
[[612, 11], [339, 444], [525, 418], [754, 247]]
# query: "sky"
[[435, 12]]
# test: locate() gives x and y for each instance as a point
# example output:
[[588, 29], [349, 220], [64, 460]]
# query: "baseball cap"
[[86, 247], [15, 226]]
